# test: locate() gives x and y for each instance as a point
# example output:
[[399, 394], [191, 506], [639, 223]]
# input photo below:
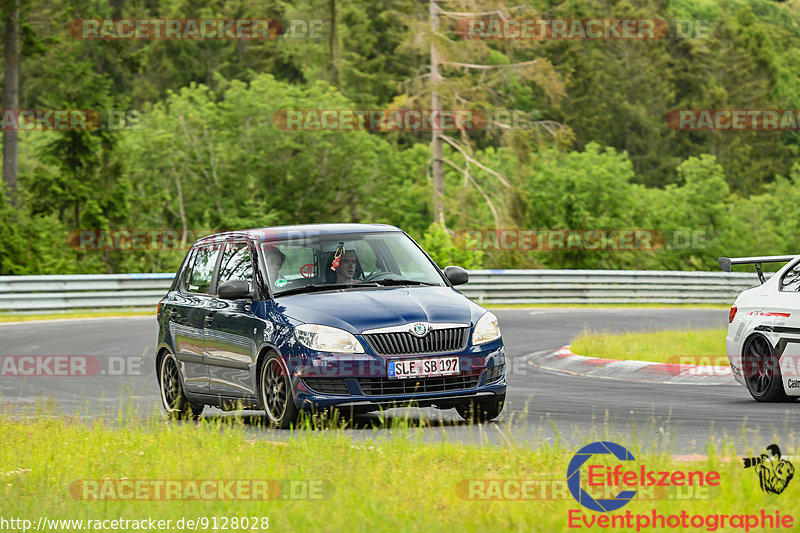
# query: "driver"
[[347, 267], [275, 259]]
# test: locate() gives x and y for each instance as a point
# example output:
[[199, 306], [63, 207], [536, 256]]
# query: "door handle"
[[209, 318]]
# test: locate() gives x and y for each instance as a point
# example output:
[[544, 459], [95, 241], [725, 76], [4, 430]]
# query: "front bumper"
[[360, 383], [366, 404]]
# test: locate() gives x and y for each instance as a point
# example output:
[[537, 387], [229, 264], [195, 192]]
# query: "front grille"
[[494, 373], [335, 386], [403, 343], [389, 387]]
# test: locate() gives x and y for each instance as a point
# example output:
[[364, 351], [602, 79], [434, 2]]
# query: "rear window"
[[791, 280]]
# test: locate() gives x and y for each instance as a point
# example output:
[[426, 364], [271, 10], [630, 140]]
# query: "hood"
[[359, 310]]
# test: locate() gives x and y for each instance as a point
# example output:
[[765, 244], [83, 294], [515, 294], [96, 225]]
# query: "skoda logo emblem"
[[420, 329]]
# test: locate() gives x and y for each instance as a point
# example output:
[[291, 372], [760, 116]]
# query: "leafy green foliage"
[[444, 251], [208, 153]]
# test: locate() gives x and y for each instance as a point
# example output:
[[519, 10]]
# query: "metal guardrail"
[[606, 286], [41, 293]]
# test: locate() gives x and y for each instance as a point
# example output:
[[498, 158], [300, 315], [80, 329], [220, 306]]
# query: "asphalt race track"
[[541, 405]]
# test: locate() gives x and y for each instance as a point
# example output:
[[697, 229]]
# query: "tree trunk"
[[436, 108], [181, 209], [11, 98], [332, 45]]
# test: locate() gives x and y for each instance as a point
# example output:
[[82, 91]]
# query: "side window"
[[298, 259], [236, 264], [791, 280], [202, 270], [290, 263]]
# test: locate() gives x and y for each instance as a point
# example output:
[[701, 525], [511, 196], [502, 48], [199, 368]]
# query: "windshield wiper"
[[396, 281], [317, 287]]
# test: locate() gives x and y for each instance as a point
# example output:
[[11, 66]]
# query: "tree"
[[227, 162], [10, 94], [734, 68], [476, 83]]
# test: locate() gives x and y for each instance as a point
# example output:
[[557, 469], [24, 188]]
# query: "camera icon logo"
[[774, 473]]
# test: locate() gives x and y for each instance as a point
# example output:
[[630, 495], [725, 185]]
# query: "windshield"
[[300, 264]]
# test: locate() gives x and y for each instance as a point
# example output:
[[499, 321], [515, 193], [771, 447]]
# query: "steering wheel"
[[379, 275]]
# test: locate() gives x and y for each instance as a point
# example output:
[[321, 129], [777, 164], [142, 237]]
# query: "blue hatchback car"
[[352, 316]]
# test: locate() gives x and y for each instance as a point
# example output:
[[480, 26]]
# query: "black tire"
[[174, 400], [482, 410], [762, 372], [275, 388]]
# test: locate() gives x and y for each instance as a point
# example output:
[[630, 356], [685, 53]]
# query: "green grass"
[[103, 313], [658, 346], [377, 483]]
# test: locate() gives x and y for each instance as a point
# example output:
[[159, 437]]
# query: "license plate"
[[416, 368]]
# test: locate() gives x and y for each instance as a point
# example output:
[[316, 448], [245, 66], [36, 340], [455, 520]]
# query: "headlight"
[[486, 329], [327, 339]]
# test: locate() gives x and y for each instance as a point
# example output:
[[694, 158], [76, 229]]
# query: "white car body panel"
[[775, 314]]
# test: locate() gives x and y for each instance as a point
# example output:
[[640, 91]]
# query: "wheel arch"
[[754, 334], [263, 354], [160, 353]]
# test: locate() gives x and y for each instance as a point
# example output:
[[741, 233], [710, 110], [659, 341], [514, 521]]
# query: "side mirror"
[[456, 275], [235, 289]]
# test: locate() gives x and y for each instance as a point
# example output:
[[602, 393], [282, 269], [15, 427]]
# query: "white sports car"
[[763, 341]]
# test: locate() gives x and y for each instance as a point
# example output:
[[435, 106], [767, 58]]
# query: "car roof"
[[270, 233]]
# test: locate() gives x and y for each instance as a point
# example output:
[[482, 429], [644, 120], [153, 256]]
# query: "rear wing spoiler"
[[726, 263]]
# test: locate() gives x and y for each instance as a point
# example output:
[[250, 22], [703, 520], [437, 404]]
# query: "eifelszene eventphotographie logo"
[[574, 476]]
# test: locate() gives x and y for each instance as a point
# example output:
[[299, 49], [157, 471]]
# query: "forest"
[[574, 134]]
